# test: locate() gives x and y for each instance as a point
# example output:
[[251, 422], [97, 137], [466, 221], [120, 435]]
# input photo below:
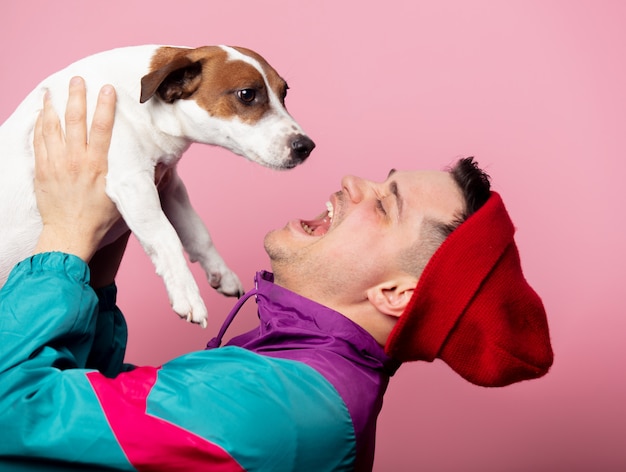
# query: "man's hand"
[[70, 174]]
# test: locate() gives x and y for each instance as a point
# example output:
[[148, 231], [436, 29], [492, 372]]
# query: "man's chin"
[[273, 247], [284, 249]]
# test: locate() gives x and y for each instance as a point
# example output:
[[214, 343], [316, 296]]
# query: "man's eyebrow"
[[393, 186], [391, 172]]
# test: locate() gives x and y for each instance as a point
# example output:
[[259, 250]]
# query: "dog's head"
[[230, 97]]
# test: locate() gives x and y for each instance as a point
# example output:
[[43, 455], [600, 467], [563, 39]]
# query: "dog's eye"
[[247, 96]]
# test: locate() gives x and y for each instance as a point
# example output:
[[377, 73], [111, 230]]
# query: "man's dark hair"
[[473, 182], [475, 187]]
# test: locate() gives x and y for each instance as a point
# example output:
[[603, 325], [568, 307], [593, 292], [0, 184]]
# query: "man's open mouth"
[[320, 225]]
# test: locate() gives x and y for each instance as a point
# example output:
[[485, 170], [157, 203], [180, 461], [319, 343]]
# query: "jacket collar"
[[292, 323]]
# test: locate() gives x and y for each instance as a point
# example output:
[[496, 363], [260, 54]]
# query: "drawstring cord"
[[217, 340]]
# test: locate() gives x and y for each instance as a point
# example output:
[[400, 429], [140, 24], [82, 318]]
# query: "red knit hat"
[[473, 308]]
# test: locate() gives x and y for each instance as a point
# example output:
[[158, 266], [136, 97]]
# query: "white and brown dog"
[[167, 98]]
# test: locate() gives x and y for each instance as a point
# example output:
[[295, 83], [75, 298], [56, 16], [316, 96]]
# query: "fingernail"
[[75, 80], [107, 90]]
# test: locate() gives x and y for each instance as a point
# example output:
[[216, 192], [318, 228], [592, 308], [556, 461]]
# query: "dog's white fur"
[[149, 136]]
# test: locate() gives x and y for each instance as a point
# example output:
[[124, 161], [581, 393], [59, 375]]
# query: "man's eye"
[[380, 207]]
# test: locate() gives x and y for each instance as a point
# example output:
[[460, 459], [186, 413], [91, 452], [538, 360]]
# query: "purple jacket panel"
[[297, 328]]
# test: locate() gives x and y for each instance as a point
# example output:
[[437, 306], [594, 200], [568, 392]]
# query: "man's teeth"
[[328, 218], [329, 207]]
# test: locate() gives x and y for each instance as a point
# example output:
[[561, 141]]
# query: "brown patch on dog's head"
[[173, 75], [225, 88], [276, 82]]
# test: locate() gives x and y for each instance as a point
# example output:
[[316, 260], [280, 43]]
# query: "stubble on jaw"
[[279, 256]]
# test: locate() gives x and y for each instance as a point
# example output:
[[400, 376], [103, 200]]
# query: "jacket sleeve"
[[110, 336], [226, 409], [48, 316]]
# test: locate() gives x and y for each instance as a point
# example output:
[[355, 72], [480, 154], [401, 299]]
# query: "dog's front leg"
[[138, 202], [195, 236]]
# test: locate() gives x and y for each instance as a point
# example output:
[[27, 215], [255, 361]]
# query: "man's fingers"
[[102, 124], [56, 151], [51, 134], [75, 116], [39, 145]]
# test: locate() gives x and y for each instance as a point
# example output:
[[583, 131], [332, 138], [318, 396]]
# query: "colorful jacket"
[[299, 393]]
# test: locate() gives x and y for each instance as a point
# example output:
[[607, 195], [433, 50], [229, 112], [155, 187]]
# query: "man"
[[418, 267]]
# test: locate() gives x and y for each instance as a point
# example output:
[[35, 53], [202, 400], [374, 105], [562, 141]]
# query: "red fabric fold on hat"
[[474, 309]]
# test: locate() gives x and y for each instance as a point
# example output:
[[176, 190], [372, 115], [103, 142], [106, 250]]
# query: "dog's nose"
[[301, 147]]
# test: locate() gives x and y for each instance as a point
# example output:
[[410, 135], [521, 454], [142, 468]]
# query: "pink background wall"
[[534, 89]]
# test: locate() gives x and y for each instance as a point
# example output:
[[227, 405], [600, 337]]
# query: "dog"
[[168, 97]]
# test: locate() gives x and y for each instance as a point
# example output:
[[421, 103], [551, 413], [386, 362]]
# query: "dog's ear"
[[177, 79]]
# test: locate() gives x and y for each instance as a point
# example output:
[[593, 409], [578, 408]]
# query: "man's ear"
[[392, 297]]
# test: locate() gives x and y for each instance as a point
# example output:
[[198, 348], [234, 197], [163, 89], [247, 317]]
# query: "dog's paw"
[[190, 308], [226, 283]]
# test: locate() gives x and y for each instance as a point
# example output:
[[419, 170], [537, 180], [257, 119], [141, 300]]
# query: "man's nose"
[[354, 187]]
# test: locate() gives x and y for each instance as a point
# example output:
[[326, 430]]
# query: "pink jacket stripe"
[[150, 443]]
